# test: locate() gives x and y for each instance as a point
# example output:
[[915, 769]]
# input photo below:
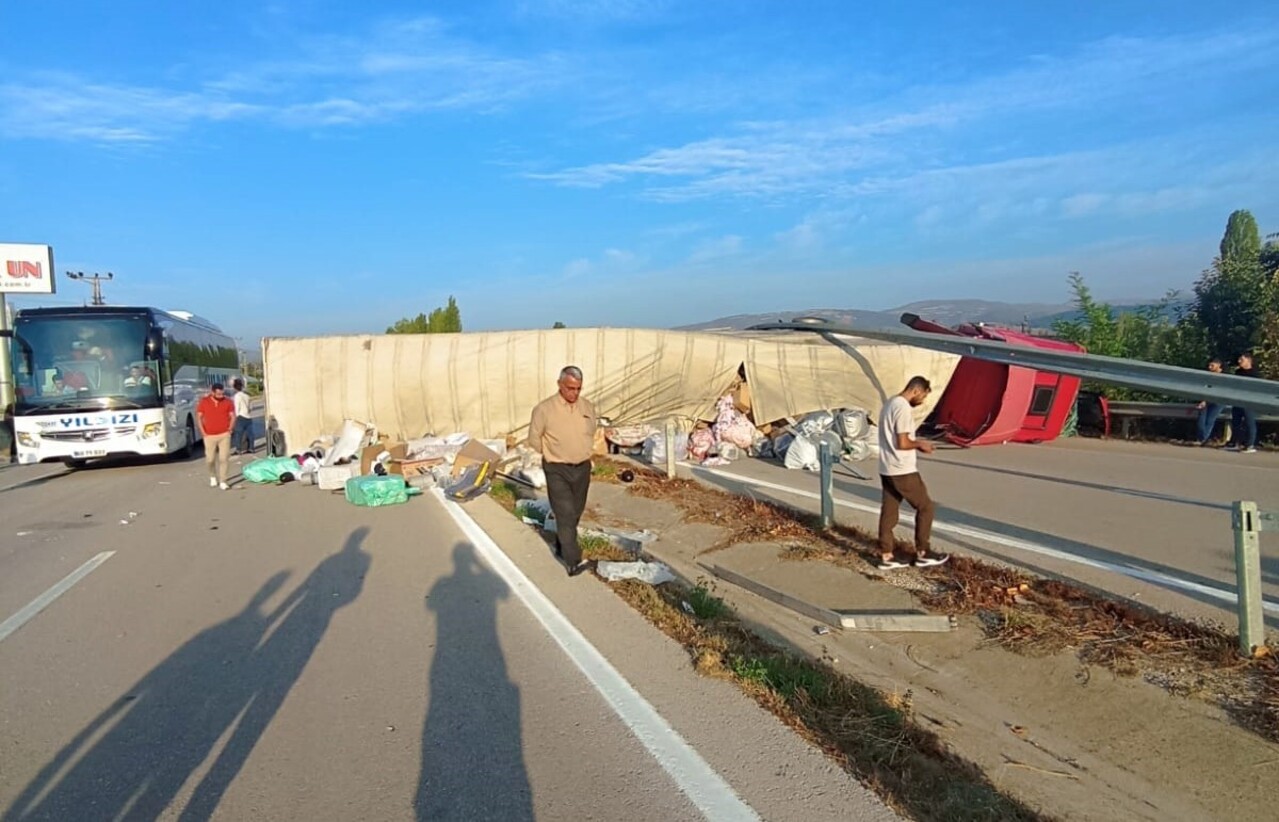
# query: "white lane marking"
[[693, 775], [43, 601], [1143, 574]]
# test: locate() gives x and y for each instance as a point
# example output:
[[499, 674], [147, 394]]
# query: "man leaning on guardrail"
[[1209, 411]]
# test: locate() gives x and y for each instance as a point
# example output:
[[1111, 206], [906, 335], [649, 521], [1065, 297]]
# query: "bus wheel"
[[188, 450]]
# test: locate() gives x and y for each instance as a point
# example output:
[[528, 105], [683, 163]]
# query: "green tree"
[[559, 324], [1146, 333], [1231, 296], [1242, 240], [444, 320]]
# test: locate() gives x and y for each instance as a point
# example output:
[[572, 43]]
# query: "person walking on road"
[[1208, 411], [216, 414], [242, 432], [1244, 420], [899, 476], [562, 430]]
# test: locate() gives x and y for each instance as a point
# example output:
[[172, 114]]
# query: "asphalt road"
[[276, 653], [1142, 520]]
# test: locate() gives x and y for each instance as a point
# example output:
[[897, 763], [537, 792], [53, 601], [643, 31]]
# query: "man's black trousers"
[[567, 485]]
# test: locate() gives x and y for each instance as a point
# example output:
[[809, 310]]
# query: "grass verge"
[[871, 735]]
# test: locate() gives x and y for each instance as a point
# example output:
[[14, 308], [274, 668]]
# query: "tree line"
[[1234, 309]]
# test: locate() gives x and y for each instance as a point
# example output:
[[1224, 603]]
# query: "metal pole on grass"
[[825, 459], [1247, 524], [670, 449]]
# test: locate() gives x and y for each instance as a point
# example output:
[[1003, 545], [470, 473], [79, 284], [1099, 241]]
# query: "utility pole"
[[96, 280]]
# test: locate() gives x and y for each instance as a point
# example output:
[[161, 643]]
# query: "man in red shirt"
[[216, 413]]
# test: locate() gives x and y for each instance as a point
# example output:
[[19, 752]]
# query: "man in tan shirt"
[[563, 432]]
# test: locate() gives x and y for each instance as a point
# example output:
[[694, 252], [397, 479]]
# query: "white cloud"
[[865, 152], [393, 70]]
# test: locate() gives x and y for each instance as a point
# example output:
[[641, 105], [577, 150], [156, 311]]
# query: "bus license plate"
[[96, 452]]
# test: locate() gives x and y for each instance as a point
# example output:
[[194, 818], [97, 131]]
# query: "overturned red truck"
[[986, 402]]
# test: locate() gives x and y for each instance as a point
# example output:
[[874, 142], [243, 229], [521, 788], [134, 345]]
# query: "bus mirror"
[[155, 341]]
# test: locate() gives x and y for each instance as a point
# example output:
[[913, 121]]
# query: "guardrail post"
[[1247, 524], [670, 449], [825, 459]]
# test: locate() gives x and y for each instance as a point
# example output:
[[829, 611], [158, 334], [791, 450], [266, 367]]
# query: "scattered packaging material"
[[271, 469], [373, 453], [654, 573], [474, 452], [333, 477], [373, 492]]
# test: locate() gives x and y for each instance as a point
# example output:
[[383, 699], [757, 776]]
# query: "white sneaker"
[[213, 483], [1250, 450], [224, 487]]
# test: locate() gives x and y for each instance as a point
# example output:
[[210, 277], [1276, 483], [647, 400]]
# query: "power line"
[[95, 280]]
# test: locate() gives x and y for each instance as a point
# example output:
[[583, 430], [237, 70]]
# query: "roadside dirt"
[[1075, 707]]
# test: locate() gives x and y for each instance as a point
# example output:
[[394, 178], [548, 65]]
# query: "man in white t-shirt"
[[900, 477], [242, 433]]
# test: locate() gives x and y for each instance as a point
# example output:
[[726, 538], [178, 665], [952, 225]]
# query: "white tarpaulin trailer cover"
[[487, 383]]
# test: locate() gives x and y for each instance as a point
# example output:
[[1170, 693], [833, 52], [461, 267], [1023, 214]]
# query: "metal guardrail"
[[1128, 412], [1248, 522], [1227, 389]]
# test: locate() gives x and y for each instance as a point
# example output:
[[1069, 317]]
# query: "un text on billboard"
[[26, 269]]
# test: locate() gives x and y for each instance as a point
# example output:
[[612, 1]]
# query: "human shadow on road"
[[131, 761], [472, 751]]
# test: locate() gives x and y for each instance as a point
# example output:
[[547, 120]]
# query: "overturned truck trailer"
[[486, 384]]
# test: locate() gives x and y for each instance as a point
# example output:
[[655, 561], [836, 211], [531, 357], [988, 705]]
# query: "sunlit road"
[[277, 653]]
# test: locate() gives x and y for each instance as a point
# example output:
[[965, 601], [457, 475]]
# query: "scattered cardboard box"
[[472, 452]]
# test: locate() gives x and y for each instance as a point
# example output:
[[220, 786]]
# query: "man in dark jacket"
[[1244, 420]]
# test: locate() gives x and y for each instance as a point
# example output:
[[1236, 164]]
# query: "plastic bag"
[[732, 426], [655, 448], [372, 492], [815, 423], [852, 424], [654, 573], [802, 454], [269, 469], [700, 443]]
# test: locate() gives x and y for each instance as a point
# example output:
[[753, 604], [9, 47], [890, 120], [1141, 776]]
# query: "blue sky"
[[307, 167]]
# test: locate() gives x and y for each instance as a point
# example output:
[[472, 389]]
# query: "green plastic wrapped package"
[[270, 469], [372, 491]]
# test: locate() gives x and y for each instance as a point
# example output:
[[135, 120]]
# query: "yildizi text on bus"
[[96, 382]]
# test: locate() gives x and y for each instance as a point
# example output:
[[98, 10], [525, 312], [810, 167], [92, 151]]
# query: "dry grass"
[[746, 519], [1025, 614], [871, 735]]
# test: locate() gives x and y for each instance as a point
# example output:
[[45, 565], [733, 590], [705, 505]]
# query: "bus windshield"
[[71, 363]]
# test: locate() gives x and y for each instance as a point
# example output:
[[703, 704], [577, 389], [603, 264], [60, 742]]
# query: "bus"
[[105, 381]]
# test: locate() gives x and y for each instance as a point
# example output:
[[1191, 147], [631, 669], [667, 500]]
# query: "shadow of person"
[[153, 738], [472, 751]]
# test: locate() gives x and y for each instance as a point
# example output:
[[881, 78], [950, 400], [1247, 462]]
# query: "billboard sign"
[[26, 269]]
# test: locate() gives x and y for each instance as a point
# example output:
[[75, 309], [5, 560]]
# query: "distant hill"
[[946, 312]]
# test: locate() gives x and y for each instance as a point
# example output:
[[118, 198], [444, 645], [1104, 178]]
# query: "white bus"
[[108, 381]]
